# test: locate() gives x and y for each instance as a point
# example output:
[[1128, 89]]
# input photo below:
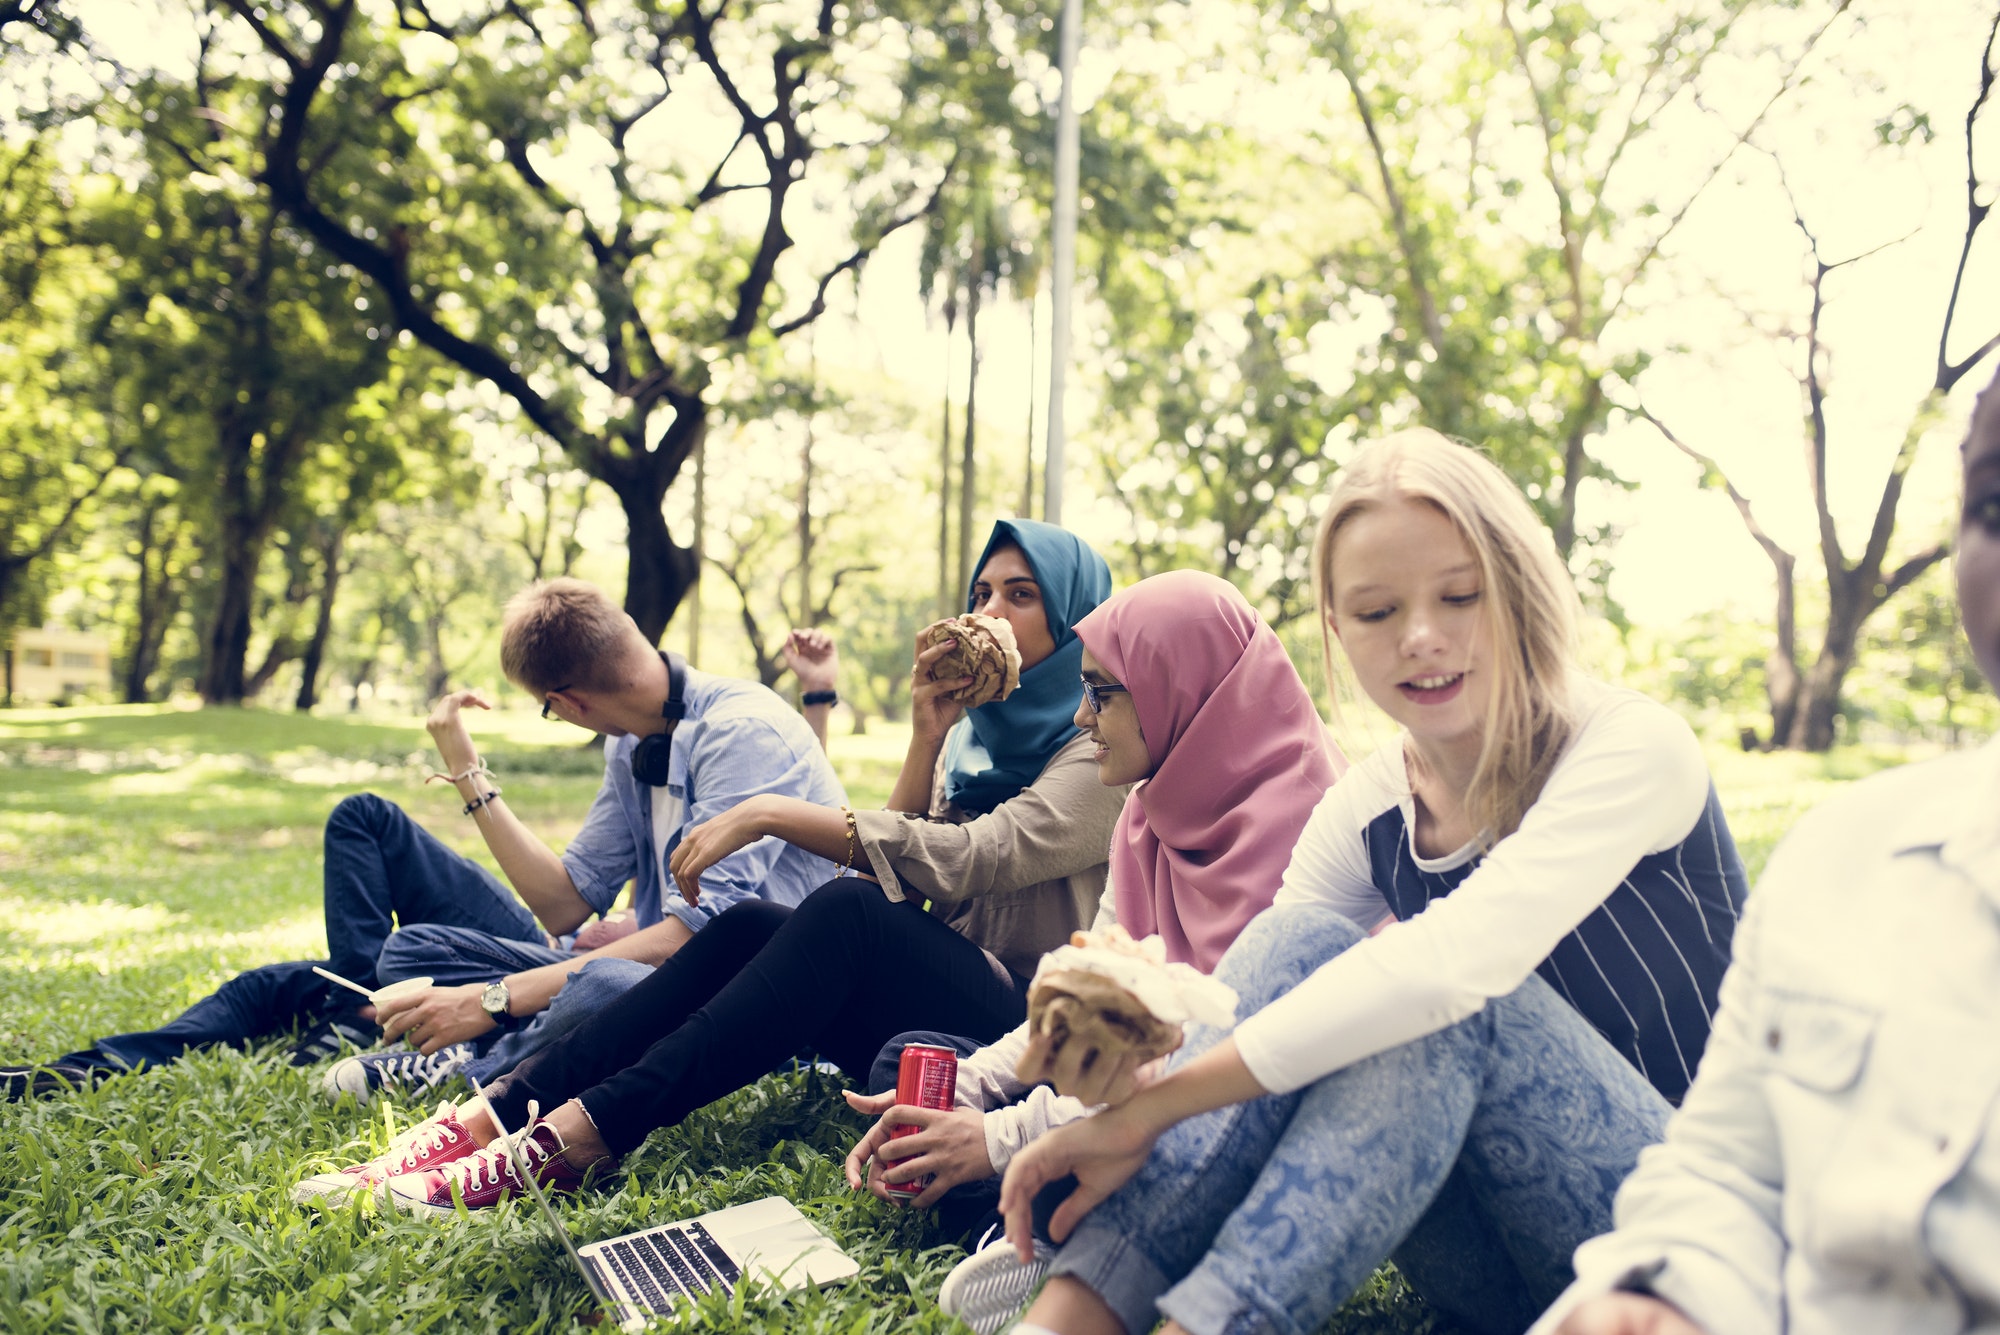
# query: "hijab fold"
[[1240, 759], [1000, 748]]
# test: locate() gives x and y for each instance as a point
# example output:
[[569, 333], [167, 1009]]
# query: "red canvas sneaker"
[[486, 1177], [432, 1143]]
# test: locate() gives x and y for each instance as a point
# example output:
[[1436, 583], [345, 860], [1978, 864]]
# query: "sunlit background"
[[1245, 295]]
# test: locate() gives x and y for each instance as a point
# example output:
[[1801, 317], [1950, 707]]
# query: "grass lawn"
[[146, 854]]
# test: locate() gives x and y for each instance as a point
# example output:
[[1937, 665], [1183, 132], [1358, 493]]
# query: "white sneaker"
[[407, 1070], [991, 1287], [439, 1139]]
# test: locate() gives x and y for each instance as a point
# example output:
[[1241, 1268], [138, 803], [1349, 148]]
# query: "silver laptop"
[[654, 1271]]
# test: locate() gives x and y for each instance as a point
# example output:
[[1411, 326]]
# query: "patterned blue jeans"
[[1517, 1124]]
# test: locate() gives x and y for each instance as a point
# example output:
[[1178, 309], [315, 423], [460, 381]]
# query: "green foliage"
[[1914, 679], [1452, 237]]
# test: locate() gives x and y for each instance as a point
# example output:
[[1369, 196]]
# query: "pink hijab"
[[1240, 759]]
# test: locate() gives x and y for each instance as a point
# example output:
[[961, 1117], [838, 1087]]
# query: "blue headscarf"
[[998, 749]]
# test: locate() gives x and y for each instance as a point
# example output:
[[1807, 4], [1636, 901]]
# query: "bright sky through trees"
[[1736, 261]]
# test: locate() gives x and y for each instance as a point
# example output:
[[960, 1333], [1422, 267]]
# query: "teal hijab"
[[998, 749]]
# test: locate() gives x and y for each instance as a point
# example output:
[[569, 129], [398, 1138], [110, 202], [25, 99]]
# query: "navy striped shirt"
[[1621, 887], [1645, 966]]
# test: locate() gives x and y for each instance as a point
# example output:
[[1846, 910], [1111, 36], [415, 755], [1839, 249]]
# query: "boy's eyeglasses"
[[549, 699], [1094, 693]]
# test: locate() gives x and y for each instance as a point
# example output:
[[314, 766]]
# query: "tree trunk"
[[158, 599], [948, 598], [805, 617], [223, 680], [968, 465], [658, 571], [283, 650], [314, 656], [700, 549], [437, 679], [1849, 606], [1576, 461]]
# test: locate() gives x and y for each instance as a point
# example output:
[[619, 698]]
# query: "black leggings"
[[844, 972]]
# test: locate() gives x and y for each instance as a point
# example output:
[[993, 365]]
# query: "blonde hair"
[[564, 633], [1530, 606]]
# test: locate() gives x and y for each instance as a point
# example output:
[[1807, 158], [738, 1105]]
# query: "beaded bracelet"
[[847, 865], [482, 800]]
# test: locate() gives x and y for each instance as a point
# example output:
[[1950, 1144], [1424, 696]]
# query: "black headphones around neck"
[[653, 757]]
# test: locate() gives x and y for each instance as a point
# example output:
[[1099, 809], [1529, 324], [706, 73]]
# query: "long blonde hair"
[[1530, 606]]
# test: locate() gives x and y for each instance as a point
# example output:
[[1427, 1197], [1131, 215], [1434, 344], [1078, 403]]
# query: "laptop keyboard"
[[662, 1265]]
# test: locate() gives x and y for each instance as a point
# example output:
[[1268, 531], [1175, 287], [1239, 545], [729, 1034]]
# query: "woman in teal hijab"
[[991, 852], [1003, 746]]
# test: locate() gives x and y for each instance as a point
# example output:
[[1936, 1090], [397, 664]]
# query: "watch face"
[[494, 999]]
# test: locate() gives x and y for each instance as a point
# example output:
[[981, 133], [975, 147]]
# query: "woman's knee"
[[754, 921], [1280, 948], [841, 905]]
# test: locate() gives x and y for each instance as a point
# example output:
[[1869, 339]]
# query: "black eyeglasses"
[[548, 699], [1095, 691]]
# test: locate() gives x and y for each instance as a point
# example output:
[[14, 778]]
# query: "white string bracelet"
[[478, 766]]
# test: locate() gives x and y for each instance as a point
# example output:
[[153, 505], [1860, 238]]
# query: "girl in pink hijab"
[[1190, 697], [1238, 759]]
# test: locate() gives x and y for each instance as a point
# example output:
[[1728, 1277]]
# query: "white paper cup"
[[396, 992]]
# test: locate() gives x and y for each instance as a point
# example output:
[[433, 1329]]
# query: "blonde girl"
[[1465, 1089]]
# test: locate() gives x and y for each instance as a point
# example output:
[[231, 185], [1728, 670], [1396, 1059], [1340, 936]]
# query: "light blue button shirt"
[[738, 740]]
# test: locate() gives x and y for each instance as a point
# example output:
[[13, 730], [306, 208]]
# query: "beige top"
[[1016, 880]]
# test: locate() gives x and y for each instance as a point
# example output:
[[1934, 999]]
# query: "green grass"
[[146, 854]]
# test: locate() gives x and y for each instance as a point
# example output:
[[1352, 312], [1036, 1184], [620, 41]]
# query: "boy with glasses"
[[513, 963]]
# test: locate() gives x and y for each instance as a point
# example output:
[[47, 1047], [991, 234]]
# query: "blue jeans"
[[383, 869], [1485, 1152], [459, 924], [256, 1003]]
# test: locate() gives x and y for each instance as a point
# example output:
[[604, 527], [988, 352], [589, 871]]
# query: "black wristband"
[[820, 698], [480, 801]]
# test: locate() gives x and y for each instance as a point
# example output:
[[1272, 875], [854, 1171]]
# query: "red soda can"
[[925, 1078]]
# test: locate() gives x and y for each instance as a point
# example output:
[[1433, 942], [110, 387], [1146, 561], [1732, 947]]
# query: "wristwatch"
[[494, 1002]]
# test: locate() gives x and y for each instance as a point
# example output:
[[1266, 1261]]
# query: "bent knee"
[[599, 980], [1280, 946], [413, 952], [844, 895], [361, 811]]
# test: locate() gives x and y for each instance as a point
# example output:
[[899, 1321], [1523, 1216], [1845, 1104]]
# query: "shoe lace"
[[495, 1164], [418, 1069], [428, 1139]]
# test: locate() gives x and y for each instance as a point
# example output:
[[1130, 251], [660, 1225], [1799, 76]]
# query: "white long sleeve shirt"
[[1621, 886]]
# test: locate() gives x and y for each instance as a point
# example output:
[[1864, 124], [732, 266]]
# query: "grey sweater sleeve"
[[1056, 827]]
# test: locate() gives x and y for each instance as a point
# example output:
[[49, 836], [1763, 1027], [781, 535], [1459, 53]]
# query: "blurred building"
[[51, 665]]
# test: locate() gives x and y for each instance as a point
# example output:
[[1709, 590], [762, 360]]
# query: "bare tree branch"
[[13, 561], [1572, 241], [1415, 263], [859, 257], [1789, 82], [1976, 210]]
